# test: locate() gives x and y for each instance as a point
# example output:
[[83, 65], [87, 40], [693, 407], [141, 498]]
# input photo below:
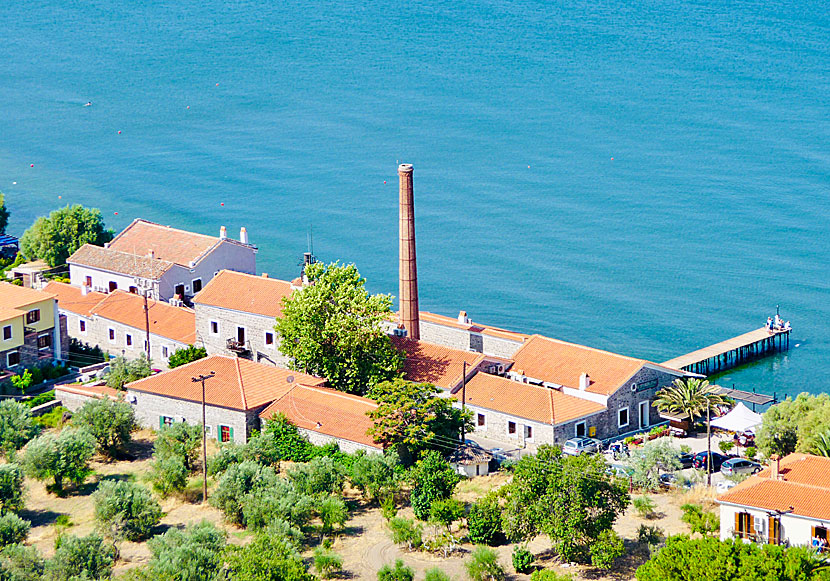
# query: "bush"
[[725, 446], [606, 549], [399, 572], [236, 483], [406, 531], [751, 452], [436, 574], [289, 444], [81, 558], [228, 455], [187, 355], [21, 563], [433, 479], [180, 439], [446, 511], [11, 488], [332, 511], [126, 510], [110, 422], [13, 529], [650, 535], [388, 508], [122, 371], [276, 500], [484, 522], [548, 575], [645, 506], [192, 554], [318, 477], [40, 399], [700, 521], [16, 426], [267, 558], [62, 457], [374, 475], [169, 474], [327, 563], [484, 565], [522, 559], [52, 419], [82, 354]]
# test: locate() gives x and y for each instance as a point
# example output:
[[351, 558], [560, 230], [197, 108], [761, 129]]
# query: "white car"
[[724, 486], [577, 446]]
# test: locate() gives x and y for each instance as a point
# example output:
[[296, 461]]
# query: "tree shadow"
[[88, 488], [137, 450], [624, 567], [39, 517]]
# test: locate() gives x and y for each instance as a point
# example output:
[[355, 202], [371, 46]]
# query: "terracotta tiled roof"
[[524, 400], [430, 363], [239, 384], [7, 314], [176, 323], [326, 411], [70, 298], [18, 297], [96, 391], [245, 292], [121, 262], [166, 243], [562, 363], [804, 487], [474, 327]]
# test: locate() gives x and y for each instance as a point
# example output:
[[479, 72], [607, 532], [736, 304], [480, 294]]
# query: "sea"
[[643, 177]]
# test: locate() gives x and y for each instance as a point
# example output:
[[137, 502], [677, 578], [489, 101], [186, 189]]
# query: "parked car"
[[717, 460], [576, 446], [724, 486], [686, 460], [740, 466]]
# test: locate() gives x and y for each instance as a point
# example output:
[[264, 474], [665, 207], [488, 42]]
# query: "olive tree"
[[62, 457], [110, 421], [126, 510]]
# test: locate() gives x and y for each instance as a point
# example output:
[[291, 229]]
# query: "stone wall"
[[228, 320], [630, 397], [69, 400], [348, 446], [467, 340]]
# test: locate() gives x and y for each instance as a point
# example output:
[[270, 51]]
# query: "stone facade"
[[349, 446], [215, 325], [467, 340]]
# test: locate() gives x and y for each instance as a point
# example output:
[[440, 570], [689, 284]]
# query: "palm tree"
[[821, 447], [689, 396]]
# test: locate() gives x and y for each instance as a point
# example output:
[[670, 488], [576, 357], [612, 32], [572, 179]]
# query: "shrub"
[[332, 511], [606, 549], [187, 355], [446, 511], [126, 510], [436, 574], [275, 500], [644, 505], [399, 572], [52, 419], [62, 457], [81, 354], [650, 535], [22, 382], [388, 508], [262, 448], [406, 531], [522, 559], [238, 481], [11, 488], [21, 563], [548, 575], [725, 446], [192, 554], [110, 422], [484, 522], [122, 372], [267, 558], [433, 479], [318, 477], [483, 565], [40, 399], [169, 474], [288, 442], [374, 475], [13, 529], [751, 452], [228, 455], [180, 439], [700, 521], [81, 558], [327, 563], [16, 426], [685, 448]]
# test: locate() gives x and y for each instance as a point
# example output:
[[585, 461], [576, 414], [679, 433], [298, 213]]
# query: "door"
[[113, 285], [179, 290], [643, 414], [240, 335]]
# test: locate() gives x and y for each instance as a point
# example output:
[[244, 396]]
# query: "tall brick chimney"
[[408, 295]]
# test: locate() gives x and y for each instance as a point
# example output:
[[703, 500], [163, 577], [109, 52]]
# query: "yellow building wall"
[[47, 314], [17, 334]]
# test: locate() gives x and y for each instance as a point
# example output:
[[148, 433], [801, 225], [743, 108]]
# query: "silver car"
[[739, 466], [577, 446]]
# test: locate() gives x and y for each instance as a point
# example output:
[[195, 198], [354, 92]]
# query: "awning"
[[740, 419]]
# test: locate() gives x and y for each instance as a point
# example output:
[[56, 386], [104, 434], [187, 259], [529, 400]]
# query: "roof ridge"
[[336, 393], [580, 346], [241, 385], [114, 251]]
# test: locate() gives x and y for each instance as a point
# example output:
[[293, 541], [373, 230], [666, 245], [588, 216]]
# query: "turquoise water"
[[643, 178]]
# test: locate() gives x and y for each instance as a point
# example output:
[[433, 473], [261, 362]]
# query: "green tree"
[[13, 529], [62, 457], [446, 511], [548, 575], [484, 521], [111, 422], [399, 572], [287, 442], [794, 425], [647, 462], [413, 415], [53, 239], [123, 371], [180, 440], [266, 558], [11, 488], [484, 565], [689, 396], [21, 563], [236, 483], [606, 549], [81, 558], [169, 475], [318, 477], [436, 574], [572, 499], [16, 426], [644, 505], [406, 531], [332, 511], [374, 475], [23, 381], [433, 479], [821, 444], [327, 563], [334, 328], [270, 501], [126, 510], [699, 520], [4, 214], [193, 554], [186, 355]]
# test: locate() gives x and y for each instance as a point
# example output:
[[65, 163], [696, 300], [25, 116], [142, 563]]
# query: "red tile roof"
[[326, 411], [239, 384], [430, 363], [248, 293], [166, 243], [524, 400], [18, 297], [176, 323], [113, 260], [96, 391], [70, 298], [804, 487]]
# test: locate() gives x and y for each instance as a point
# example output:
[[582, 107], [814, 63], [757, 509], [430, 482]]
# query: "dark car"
[[686, 460], [717, 459]]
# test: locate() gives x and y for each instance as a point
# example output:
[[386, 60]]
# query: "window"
[[129, 339], [528, 433], [197, 285], [113, 285], [622, 417], [580, 429], [214, 327], [7, 332], [480, 419], [269, 338], [225, 433], [88, 281], [111, 335], [744, 526], [240, 335], [164, 351], [134, 290], [511, 427], [32, 316], [44, 341], [179, 291], [13, 358], [82, 325], [166, 421]]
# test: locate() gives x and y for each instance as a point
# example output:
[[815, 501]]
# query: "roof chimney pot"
[[408, 274], [151, 254], [584, 382], [264, 275], [775, 467], [243, 235], [223, 233]]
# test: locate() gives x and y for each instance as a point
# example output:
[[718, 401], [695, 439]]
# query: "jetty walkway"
[[732, 352]]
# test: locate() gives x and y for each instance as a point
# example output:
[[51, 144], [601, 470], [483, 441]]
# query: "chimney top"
[[264, 275], [243, 235], [151, 254], [405, 168], [775, 467], [584, 382], [223, 232]]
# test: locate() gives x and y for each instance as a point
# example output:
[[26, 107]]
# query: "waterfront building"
[[31, 329]]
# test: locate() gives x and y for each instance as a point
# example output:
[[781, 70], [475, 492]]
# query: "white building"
[[166, 261], [787, 503]]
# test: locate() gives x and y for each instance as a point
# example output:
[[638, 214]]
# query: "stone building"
[[461, 333], [116, 322], [326, 415], [236, 314], [164, 262], [31, 329]]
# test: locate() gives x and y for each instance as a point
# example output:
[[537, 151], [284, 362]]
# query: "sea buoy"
[[14, 183], [222, 204], [116, 213], [31, 165], [119, 133], [188, 106]]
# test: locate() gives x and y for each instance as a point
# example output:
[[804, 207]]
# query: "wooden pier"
[[732, 352]]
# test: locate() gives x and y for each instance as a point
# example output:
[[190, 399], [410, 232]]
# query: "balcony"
[[238, 346]]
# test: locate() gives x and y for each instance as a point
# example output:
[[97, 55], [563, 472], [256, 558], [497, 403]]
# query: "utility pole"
[[142, 285], [708, 443], [463, 402], [201, 378]]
